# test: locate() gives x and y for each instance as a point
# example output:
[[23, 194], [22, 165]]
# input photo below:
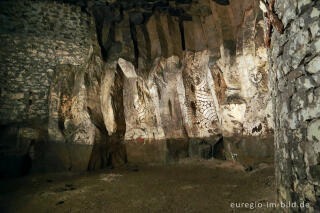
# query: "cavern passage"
[[167, 89]]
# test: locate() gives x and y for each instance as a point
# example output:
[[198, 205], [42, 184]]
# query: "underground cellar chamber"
[[160, 106]]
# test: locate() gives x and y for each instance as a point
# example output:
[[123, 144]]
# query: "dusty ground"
[[188, 187]]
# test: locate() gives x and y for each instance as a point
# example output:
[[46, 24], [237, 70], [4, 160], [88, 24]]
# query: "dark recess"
[[159, 92], [193, 107], [13, 162], [182, 34], [170, 107], [218, 150], [222, 2], [133, 33], [257, 128], [231, 46], [192, 88]]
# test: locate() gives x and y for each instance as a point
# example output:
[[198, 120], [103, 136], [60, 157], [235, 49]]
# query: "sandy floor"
[[188, 187]]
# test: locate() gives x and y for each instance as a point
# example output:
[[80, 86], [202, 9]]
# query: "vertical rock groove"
[[181, 28]]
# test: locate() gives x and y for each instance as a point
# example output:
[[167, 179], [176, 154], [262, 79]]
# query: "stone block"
[[177, 149], [194, 144], [304, 83], [315, 171], [313, 133], [249, 151], [314, 65], [61, 157], [205, 151], [146, 152]]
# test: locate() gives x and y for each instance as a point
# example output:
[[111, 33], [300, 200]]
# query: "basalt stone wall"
[[35, 36], [41, 40], [199, 71], [295, 80], [190, 73]]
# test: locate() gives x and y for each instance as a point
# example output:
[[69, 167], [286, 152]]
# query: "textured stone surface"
[[68, 122], [35, 37], [296, 111], [313, 65], [244, 150], [102, 76]]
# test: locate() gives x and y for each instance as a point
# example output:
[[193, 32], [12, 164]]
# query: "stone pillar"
[[295, 79]]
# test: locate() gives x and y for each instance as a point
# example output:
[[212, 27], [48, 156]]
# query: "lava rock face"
[[295, 72], [105, 82]]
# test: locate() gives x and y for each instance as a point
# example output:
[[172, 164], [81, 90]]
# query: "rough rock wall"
[[200, 104], [185, 72], [87, 115], [235, 54], [35, 37], [161, 107], [202, 70], [56, 87], [296, 102], [243, 62], [211, 74]]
